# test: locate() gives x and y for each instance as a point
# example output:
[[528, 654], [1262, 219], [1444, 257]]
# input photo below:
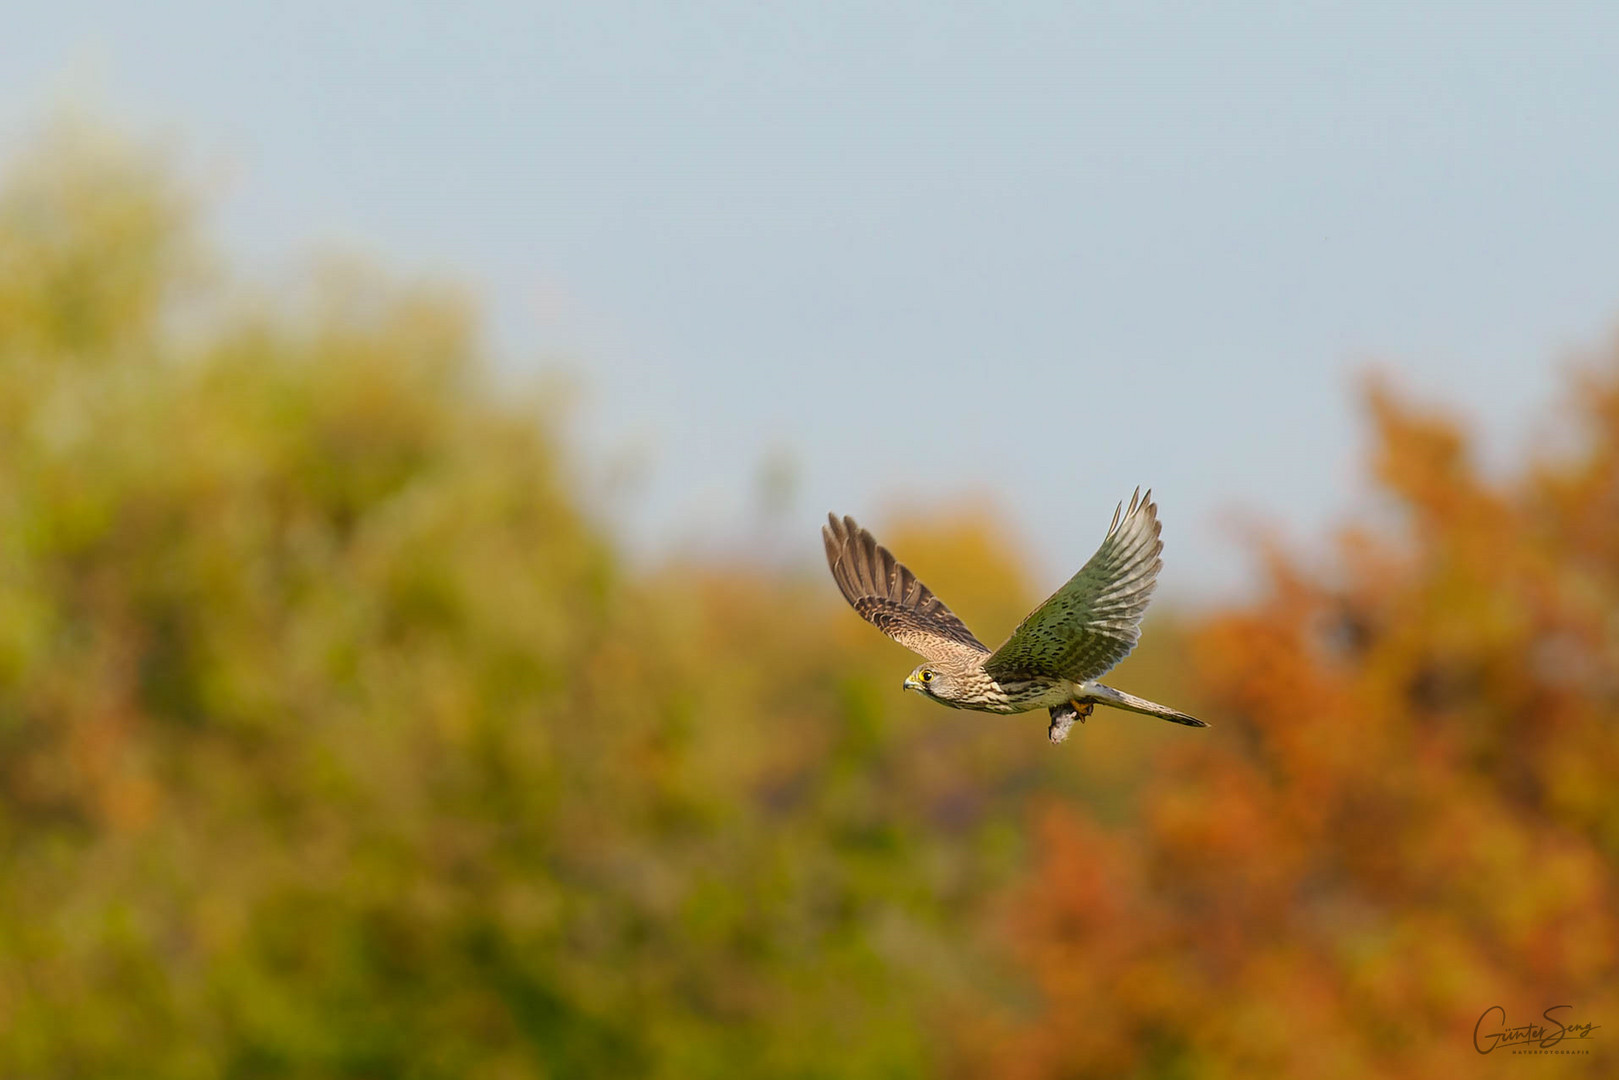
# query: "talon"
[[1083, 709]]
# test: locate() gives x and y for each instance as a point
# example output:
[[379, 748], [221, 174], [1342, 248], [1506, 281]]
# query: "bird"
[[1057, 653]]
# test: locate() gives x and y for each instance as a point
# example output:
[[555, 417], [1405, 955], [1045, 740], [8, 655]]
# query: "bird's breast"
[[1022, 695]]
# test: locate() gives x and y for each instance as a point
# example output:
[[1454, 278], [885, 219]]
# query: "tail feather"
[[1130, 703]]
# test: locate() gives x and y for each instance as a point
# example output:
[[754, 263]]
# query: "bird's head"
[[930, 679]]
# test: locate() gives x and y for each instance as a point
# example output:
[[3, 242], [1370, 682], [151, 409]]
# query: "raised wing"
[[1093, 622], [888, 596]]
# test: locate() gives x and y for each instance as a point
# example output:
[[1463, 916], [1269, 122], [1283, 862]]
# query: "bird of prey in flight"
[[1054, 657]]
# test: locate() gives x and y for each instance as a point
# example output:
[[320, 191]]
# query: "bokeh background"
[[419, 663]]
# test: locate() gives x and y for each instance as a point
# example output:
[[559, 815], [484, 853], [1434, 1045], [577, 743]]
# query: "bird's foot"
[[1063, 717]]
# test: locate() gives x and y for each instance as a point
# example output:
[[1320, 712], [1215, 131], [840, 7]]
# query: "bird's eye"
[[927, 676]]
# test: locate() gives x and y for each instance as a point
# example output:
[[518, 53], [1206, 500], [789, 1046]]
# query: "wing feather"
[[886, 594], [1092, 622]]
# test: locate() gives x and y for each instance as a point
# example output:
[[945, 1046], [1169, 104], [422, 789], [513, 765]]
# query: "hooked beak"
[[910, 684]]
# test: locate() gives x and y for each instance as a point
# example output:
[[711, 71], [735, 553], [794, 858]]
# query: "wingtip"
[[1139, 503], [843, 528]]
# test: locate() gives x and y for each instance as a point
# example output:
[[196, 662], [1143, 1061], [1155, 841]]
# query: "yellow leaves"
[[334, 741], [93, 246]]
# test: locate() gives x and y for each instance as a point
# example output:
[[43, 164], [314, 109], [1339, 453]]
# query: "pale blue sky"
[[1047, 250]]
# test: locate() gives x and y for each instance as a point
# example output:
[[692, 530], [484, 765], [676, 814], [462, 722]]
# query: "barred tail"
[[1129, 702]]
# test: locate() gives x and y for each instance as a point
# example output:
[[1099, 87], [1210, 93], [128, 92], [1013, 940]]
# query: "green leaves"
[[335, 742]]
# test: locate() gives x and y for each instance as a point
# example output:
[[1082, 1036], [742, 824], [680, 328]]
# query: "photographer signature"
[[1489, 1034]]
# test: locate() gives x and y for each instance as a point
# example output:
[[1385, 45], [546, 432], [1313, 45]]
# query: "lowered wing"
[[890, 597]]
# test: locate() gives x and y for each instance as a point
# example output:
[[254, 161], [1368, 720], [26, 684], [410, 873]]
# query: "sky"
[[910, 255]]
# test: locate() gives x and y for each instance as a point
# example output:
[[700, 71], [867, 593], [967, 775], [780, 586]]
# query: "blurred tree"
[[1407, 815], [334, 742]]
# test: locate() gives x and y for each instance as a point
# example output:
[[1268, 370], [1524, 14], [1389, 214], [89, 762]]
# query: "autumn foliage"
[[1409, 813], [337, 740]]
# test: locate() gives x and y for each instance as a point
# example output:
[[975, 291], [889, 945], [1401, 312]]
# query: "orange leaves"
[[1399, 816], [335, 741]]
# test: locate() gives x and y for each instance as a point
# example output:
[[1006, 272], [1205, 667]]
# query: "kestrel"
[[1056, 654]]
